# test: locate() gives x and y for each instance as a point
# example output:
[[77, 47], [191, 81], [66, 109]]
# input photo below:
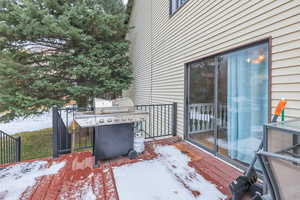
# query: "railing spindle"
[[9, 147], [201, 117]]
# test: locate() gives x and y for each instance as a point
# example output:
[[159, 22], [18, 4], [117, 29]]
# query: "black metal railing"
[[63, 142], [10, 148], [61, 136], [161, 122]]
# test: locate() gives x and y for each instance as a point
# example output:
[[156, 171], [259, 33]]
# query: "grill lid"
[[105, 112], [114, 106]]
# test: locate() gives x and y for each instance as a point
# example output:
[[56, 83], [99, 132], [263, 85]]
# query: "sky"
[[125, 1]]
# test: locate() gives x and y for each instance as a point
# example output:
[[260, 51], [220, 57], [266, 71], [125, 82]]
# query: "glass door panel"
[[201, 103], [242, 102]]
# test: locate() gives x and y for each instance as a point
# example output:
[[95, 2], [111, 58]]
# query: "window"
[[175, 5], [228, 102]]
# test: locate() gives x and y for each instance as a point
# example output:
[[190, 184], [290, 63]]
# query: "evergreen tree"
[[53, 51]]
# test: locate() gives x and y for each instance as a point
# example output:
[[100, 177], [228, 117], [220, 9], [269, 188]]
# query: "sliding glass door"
[[201, 102], [228, 102]]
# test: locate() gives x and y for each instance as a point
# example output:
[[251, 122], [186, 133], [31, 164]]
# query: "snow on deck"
[[168, 169], [167, 177], [16, 179]]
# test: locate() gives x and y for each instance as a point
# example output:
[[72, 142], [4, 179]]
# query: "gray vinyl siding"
[[140, 54], [162, 45]]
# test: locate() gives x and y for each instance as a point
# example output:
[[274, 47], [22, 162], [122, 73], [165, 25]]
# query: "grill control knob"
[[101, 121], [109, 120]]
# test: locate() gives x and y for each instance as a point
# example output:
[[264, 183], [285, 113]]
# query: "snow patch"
[[15, 180], [167, 177], [32, 123], [89, 194], [83, 191]]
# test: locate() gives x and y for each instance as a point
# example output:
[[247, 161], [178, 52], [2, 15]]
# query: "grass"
[[36, 144]]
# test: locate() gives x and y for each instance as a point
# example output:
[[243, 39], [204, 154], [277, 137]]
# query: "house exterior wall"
[[140, 52], [163, 44]]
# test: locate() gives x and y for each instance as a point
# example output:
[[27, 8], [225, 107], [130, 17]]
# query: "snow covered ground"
[[17, 179], [167, 177], [32, 123]]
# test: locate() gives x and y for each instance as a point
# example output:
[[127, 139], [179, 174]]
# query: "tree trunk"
[[82, 102]]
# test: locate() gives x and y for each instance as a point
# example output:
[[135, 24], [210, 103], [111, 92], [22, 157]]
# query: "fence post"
[[18, 149], [174, 119], [55, 132]]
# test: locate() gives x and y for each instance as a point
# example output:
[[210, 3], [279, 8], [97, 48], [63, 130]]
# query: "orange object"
[[74, 126], [280, 107], [72, 102]]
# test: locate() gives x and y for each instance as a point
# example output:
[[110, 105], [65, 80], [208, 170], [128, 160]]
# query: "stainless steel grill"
[[119, 111], [113, 123]]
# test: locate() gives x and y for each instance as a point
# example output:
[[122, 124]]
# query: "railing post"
[[174, 119], [18, 149], [55, 131]]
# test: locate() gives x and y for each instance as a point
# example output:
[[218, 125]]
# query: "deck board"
[[79, 173]]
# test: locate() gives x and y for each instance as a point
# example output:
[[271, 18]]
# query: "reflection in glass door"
[[228, 102], [201, 103], [222, 114]]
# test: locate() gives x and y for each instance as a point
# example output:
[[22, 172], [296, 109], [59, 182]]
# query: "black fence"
[[161, 122], [10, 148], [61, 136]]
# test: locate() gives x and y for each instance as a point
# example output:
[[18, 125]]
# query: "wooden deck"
[[78, 173]]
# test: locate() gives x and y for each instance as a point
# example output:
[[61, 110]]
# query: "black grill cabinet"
[[113, 141]]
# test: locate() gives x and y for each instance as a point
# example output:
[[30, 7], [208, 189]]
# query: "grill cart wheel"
[[132, 154]]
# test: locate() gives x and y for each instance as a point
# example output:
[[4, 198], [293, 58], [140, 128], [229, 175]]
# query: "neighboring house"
[[228, 60]]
